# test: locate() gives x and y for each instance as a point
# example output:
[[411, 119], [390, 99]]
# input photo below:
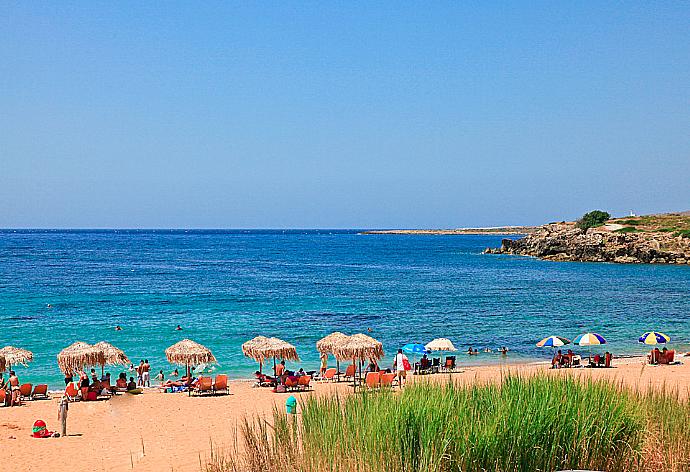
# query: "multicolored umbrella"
[[589, 339], [553, 341], [653, 337]]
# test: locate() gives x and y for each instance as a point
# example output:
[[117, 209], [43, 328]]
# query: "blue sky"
[[340, 114]]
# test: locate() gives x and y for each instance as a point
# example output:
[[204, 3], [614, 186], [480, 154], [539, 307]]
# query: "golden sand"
[[175, 432]]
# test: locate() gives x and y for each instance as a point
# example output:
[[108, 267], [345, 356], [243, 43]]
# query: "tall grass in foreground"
[[538, 423]]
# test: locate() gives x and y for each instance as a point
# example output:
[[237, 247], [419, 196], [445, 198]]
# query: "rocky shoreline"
[[567, 242]]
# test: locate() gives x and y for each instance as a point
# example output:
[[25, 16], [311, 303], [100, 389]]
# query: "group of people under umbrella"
[[589, 340]]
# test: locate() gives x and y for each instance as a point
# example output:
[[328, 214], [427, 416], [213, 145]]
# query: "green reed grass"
[[538, 423]]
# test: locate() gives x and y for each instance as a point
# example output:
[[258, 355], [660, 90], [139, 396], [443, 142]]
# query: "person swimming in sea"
[[179, 328], [118, 328]]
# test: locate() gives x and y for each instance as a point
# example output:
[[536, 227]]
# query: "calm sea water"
[[225, 287]]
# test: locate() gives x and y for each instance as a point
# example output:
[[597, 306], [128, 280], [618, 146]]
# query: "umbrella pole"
[[337, 369]]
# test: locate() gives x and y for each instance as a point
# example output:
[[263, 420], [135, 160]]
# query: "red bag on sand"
[[406, 364]]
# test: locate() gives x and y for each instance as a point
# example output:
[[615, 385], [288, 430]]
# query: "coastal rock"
[[566, 242]]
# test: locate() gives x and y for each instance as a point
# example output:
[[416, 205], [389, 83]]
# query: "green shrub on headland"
[[593, 219]]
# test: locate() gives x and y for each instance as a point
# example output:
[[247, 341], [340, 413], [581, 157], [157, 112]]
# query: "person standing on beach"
[[15, 398], [146, 374], [140, 373], [324, 363], [400, 367]]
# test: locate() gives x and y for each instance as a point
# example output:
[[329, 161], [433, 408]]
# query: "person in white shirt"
[[399, 367]]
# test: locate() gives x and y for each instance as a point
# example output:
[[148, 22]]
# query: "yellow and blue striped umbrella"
[[653, 337], [589, 339]]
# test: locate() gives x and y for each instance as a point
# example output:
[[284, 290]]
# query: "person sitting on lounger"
[[132, 385], [264, 380], [557, 360], [373, 366], [121, 382], [424, 362]]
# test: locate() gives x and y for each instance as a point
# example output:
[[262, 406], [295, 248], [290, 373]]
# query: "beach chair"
[[435, 365], [3, 397], [450, 364], [330, 374], [387, 379], [350, 372], [670, 356], [204, 386], [25, 392], [72, 392], [40, 391], [291, 383], [221, 384], [607, 359], [303, 382], [372, 380]]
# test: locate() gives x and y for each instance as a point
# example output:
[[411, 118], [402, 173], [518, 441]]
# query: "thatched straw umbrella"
[[78, 355], [262, 348], [328, 344], [2, 363], [111, 355], [14, 356], [359, 347], [189, 353]]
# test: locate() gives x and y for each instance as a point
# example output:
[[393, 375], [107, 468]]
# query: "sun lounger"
[[350, 372], [25, 391], [387, 379], [291, 383], [72, 392], [204, 386], [372, 380], [449, 366], [330, 374], [221, 384], [40, 391], [303, 382]]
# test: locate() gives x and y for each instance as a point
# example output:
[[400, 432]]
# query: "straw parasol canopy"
[[358, 346], [328, 344], [111, 355], [188, 352], [2, 363], [440, 344], [14, 355], [78, 355], [262, 348]]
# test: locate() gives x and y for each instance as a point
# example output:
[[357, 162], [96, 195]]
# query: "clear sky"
[[340, 114]]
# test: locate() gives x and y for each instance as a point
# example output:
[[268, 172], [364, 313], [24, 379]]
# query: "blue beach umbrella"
[[654, 337], [414, 348]]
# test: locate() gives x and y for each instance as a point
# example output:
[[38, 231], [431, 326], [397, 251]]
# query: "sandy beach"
[[155, 431]]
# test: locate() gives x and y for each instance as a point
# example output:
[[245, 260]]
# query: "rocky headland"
[[653, 239]]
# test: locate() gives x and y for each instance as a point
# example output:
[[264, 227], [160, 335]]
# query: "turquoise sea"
[[225, 287]]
